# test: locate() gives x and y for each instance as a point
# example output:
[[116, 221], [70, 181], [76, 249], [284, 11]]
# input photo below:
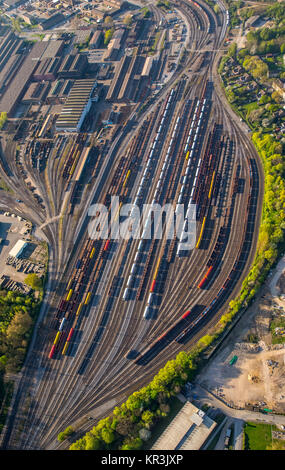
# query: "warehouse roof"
[[18, 248], [76, 103], [54, 48], [17, 86], [36, 92], [187, 431], [13, 3], [52, 21]]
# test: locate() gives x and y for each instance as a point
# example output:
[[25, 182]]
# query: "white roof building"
[[187, 431], [18, 248]]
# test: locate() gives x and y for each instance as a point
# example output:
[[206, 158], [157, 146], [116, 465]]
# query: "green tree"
[[232, 50], [147, 417], [107, 436], [3, 119], [108, 36], [34, 281], [80, 445], [91, 443], [65, 434], [132, 444]]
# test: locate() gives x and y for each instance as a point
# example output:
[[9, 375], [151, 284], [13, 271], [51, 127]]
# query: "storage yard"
[[20, 253]]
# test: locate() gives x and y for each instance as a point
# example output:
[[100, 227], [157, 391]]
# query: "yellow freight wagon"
[[65, 348], [57, 337], [69, 294]]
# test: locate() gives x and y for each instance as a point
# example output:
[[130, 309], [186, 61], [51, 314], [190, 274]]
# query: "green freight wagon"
[[233, 360]]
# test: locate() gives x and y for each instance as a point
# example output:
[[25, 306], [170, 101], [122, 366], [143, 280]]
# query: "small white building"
[[18, 249]]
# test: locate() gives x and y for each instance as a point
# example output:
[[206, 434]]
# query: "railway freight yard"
[[139, 119]]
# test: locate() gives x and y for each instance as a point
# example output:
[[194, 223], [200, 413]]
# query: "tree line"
[[17, 316]]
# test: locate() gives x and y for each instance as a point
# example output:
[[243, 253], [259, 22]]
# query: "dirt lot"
[[258, 375]]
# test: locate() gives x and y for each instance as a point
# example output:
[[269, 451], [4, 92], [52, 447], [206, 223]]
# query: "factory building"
[[54, 49], [47, 69], [10, 59], [76, 106], [187, 431], [148, 65], [128, 80], [121, 70], [15, 85], [36, 93], [59, 92], [52, 21], [131, 81], [10, 4], [113, 50], [96, 40], [73, 66]]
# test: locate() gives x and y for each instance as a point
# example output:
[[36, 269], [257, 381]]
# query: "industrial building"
[[187, 431], [52, 21], [54, 49], [47, 69], [10, 4], [18, 249], [9, 67], [17, 87], [148, 66], [137, 31], [16, 81], [59, 91], [82, 36], [10, 58], [113, 50], [131, 83], [121, 70], [10, 44], [73, 66], [96, 40], [113, 3], [128, 79], [76, 106], [36, 93]]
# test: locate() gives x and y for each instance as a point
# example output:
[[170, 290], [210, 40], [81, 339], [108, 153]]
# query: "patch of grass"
[[156, 39], [250, 107], [277, 323], [258, 436]]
